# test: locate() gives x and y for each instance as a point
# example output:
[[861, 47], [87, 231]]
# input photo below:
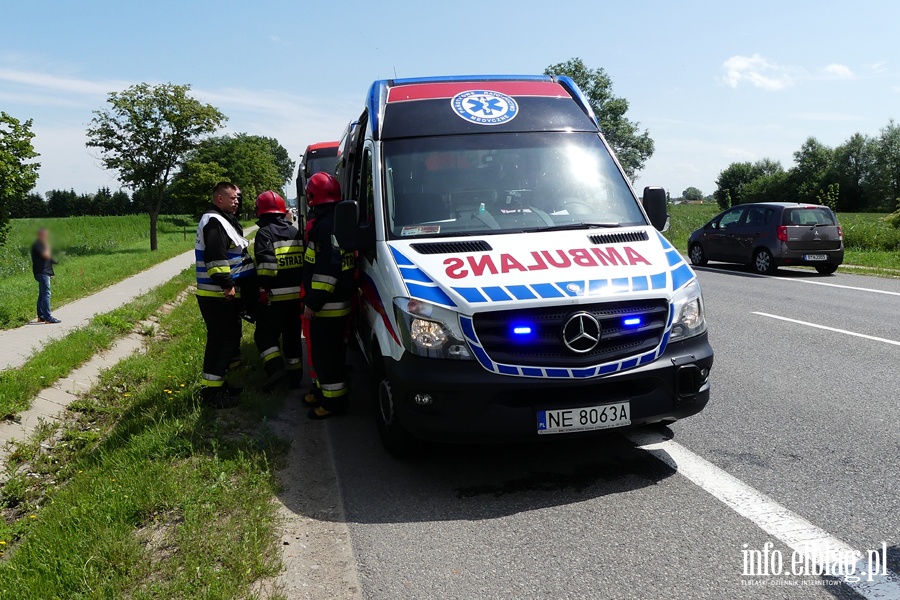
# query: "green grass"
[[869, 240], [59, 357], [685, 218], [94, 252], [142, 494]]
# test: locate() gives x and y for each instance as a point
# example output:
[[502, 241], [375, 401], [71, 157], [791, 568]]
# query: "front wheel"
[[396, 440], [698, 256], [826, 269], [763, 263]]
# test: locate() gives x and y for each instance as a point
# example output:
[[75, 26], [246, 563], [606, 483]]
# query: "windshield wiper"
[[582, 225]]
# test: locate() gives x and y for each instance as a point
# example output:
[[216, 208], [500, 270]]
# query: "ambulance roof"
[[432, 106]]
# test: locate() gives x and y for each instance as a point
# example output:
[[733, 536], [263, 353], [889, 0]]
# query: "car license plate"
[[815, 257], [570, 420]]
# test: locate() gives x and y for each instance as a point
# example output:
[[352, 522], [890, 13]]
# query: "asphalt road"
[[804, 415]]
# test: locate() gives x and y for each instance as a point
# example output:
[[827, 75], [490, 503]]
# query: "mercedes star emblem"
[[581, 333]]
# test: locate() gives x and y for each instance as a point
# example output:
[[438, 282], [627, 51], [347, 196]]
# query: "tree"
[[770, 186], [632, 146], [887, 165], [852, 169], [808, 178], [732, 180], [31, 207], [145, 132], [61, 203], [254, 163], [17, 175], [693, 194]]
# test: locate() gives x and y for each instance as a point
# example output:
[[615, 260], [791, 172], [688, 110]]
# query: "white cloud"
[[838, 71], [759, 72], [68, 85], [876, 68], [738, 154]]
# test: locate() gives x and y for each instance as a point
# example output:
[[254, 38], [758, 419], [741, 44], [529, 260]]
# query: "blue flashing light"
[[631, 322], [522, 330]]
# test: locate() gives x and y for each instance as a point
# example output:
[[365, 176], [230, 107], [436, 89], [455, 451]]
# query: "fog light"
[[704, 373], [423, 399]]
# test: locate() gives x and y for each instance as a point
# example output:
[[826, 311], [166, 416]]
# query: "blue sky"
[[714, 82]]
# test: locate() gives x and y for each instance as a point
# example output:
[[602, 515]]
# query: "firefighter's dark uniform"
[[279, 268], [328, 284], [222, 262]]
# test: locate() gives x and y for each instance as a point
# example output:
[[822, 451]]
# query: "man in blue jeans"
[[42, 262]]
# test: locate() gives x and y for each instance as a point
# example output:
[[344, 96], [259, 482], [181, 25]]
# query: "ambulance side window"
[[365, 194]]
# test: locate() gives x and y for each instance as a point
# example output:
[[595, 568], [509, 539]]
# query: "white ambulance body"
[[512, 285]]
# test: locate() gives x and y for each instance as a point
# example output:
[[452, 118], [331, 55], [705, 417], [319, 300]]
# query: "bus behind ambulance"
[[512, 284]]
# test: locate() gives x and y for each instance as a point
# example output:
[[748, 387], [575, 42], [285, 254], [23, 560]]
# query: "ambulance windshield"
[[503, 183]]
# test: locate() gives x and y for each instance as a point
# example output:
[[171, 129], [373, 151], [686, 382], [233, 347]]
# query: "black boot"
[[276, 373], [220, 397]]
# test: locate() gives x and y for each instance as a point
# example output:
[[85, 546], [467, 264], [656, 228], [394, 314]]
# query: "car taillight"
[[782, 233], [840, 233]]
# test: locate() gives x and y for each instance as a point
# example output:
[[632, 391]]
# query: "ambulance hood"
[[492, 272]]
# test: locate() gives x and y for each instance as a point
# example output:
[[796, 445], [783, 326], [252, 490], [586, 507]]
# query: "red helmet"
[[322, 189], [270, 203]]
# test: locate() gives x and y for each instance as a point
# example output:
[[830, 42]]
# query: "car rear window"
[[814, 215]]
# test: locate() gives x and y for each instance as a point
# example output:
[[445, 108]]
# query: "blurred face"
[[43, 235], [227, 201]]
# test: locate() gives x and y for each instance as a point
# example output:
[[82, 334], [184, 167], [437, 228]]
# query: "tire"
[[395, 439], [826, 269], [763, 263], [697, 255]]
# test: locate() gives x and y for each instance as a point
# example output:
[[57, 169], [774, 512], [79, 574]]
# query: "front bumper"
[[472, 404]]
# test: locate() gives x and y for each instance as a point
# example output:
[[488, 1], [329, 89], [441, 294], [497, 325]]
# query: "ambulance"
[[512, 284]]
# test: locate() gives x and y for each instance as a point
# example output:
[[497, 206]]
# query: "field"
[[870, 241], [94, 252]]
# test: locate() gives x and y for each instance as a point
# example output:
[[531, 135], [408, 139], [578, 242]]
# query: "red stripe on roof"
[[321, 145], [437, 90]]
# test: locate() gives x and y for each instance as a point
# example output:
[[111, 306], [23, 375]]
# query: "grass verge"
[[59, 357], [141, 493]]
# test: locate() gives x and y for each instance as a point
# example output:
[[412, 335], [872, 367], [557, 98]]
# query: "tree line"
[[860, 175]]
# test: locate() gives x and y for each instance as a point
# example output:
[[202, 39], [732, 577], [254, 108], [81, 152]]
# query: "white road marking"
[[837, 285], [795, 280], [791, 529], [834, 329]]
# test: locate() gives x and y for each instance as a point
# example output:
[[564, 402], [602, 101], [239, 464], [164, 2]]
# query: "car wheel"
[[396, 440], [698, 256], [763, 263], [826, 269]]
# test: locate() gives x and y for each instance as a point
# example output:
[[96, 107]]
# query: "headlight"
[[689, 319], [430, 330]]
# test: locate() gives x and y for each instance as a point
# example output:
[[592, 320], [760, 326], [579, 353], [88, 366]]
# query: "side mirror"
[[656, 207], [346, 228]]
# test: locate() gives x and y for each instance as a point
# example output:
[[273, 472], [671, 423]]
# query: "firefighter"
[[223, 267], [328, 284], [279, 268]]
